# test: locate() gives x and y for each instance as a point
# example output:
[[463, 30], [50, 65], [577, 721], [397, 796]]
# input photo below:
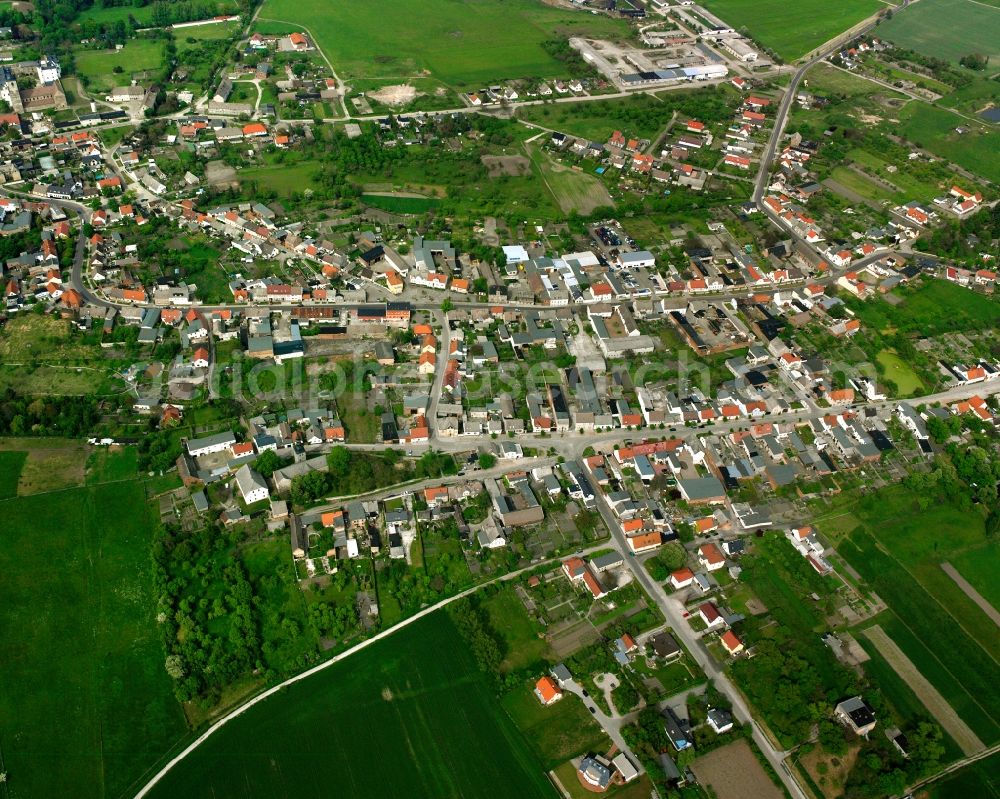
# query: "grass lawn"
[[285, 179], [11, 463], [204, 33], [462, 43], [979, 780], [929, 28], [136, 56], [933, 128], [900, 373], [557, 732], [573, 190], [641, 116], [859, 184], [86, 704], [509, 618], [108, 465], [793, 30], [397, 719]]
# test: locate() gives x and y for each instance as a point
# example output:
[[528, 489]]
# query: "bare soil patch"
[[217, 172], [399, 94], [499, 166], [734, 773]]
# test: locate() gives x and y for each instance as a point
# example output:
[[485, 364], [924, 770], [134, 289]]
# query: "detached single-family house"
[[547, 691], [856, 715]]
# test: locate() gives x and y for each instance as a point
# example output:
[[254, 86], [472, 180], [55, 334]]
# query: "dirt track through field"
[[972, 593], [936, 704]]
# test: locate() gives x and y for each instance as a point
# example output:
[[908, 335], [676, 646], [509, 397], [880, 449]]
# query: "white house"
[[210, 444], [251, 485]]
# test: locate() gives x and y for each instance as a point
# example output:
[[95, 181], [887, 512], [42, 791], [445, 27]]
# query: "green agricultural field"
[[972, 707], [979, 780], [98, 66], [947, 29], [462, 43], [900, 373], [953, 658], [910, 186], [85, 704], [409, 716], [904, 702], [792, 30], [981, 567], [11, 463], [977, 148], [914, 538]]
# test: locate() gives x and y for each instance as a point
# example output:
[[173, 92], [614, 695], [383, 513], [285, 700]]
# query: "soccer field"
[[409, 716], [85, 703], [462, 43], [793, 29]]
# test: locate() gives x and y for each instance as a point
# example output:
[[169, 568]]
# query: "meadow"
[[193, 37], [98, 66], [946, 29], [462, 43], [400, 205], [284, 179], [977, 147], [792, 30], [85, 703], [523, 646], [409, 716], [930, 308], [573, 190]]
